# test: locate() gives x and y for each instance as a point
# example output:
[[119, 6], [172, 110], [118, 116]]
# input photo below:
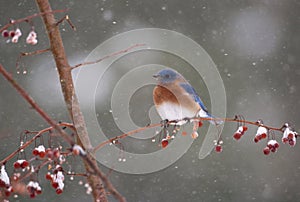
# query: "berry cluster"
[[166, 135], [272, 146], [5, 182], [261, 133], [14, 35], [289, 135], [21, 163], [34, 189], [240, 132], [167, 138], [57, 179], [39, 151], [52, 156]]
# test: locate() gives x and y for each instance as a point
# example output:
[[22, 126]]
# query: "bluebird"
[[176, 99]]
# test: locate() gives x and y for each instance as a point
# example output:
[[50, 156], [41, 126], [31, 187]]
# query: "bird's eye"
[[167, 76]]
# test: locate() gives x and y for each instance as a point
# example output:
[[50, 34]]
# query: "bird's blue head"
[[166, 76]]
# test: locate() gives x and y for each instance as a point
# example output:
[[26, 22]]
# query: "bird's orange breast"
[[162, 94]]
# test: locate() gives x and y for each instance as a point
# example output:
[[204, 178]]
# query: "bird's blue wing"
[[189, 89]]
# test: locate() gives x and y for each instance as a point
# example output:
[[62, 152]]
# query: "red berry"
[[273, 149], [42, 154], [56, 153], [285, 140], [291, 143], [54, 185], [5, 33], [32, 195], [12, 33], [17, 165], [59, 191], [256, 139], [2, 184], [218, 148], [29, 189], [200, 124], [290, 136], [164, 143], [35, 152], [184, 133], [48, 176], [25, 164], [263, 136], [266, 150], [276, 145], [245, 128], [237, 136], [38, 191], [7, 193]]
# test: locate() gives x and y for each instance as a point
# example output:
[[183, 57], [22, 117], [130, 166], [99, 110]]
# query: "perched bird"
[[176, 99]]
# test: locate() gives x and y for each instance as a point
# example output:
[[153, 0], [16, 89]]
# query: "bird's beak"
[[155, 76]]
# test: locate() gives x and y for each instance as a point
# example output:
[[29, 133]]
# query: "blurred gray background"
[[255, 45]]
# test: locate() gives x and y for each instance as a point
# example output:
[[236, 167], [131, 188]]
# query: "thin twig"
[[76, 174], [108, 56], [67, 18], [25, 19], [22, 54], [125, 135]]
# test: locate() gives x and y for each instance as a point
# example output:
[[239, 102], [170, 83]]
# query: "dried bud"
[[32, 38]]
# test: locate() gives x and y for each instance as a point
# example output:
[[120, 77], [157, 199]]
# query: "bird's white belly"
[[172, 111]]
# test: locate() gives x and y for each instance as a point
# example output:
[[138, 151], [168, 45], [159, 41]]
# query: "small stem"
[[29, 54], [67, 18]]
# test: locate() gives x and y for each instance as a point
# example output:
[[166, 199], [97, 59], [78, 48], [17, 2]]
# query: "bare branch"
[[108, 56]]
